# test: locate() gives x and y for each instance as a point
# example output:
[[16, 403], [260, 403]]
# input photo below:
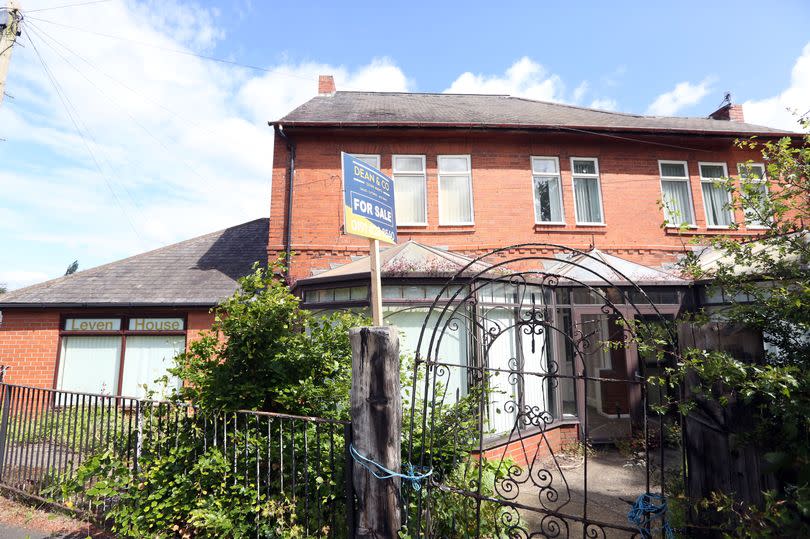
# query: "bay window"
[[548, 207], [676, 195], [587, 191], [455, 190], [410, 189], [716, 198]]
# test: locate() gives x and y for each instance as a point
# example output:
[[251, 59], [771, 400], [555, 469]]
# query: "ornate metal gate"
[[514, 430]]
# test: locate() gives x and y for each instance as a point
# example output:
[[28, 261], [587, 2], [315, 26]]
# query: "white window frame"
[[424, 184], [713, 180], [691, 222], [763, 180], [598, 186], [455, 174], [541, 175], [366, 156]]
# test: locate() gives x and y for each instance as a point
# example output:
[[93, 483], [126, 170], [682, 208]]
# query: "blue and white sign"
[[368, 200]]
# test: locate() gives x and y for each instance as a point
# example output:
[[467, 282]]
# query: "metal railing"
[[46, 435]]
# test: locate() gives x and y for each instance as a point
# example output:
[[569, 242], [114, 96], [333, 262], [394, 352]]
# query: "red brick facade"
[[502, 191]]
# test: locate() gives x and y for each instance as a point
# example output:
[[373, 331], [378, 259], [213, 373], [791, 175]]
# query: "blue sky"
[[160, 146]]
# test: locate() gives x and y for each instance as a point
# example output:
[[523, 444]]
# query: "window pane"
[[455, 197], [544, 166], [715, 199], [408, 164], [146, 359], [90, 364], [752, 172], [758, 193], [586, 193], [711, 171], [359, 293], [547, 200], [409, 192], [584, 167], [677, 209], [342, 294], [373, 160], [453, 164], [676, 170]]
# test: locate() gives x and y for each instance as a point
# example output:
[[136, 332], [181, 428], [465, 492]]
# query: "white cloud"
[[604, 104], [776, 111], [525, 78], [183, 142], [684, 94], [19, 279]]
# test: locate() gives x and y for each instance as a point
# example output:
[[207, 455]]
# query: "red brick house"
[[475, 173]]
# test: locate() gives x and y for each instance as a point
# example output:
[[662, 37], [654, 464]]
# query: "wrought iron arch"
[[458, 302]]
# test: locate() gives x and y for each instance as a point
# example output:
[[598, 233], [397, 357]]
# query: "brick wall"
[[502, 192], [29, 341], [532, 447]]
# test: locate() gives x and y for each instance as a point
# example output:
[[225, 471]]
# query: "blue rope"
[[381, 472], [646, 508]]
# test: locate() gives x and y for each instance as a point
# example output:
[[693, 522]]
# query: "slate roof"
[[599, 269], [409, 259], [491, 111], [196, 272]]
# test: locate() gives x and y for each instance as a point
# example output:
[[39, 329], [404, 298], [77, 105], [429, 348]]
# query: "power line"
[[117, 81], [68, 106], [132, 118], [177, 51], [66, 6]]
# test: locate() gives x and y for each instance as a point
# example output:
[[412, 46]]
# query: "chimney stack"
[[729, 112], [326, 85]]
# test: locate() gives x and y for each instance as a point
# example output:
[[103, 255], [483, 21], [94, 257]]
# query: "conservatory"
[[549, 337]]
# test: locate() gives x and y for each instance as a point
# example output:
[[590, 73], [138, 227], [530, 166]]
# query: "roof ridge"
[[95, 269]]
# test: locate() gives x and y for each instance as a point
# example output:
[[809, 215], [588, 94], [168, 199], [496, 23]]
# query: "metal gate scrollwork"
[[521, 428]]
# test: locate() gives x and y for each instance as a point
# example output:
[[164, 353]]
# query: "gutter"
[[279, 129]]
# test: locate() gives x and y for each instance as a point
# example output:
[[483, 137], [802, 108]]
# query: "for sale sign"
[[368, 199]]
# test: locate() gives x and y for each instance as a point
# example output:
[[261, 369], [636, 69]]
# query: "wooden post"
[[376, 283], [8, 36], [376, 412]]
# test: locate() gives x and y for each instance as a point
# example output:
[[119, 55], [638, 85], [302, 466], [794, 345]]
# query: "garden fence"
[[46, 435]]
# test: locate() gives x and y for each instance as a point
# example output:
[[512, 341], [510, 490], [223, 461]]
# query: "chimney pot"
[[326, 85]]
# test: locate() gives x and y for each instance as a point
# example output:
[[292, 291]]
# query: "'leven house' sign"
[[368, 200]]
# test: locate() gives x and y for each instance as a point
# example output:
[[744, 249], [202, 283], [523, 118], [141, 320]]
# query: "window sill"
[[414, 225], [457, 225], [708, 232], [592, 224], [550, 223], [445, 230]]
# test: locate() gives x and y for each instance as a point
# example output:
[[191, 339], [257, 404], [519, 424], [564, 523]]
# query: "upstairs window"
[[753, 182], [369, 159], [587, 191], [716, 198], [410, 189], [676, 196], [455, 190], [548, 207]]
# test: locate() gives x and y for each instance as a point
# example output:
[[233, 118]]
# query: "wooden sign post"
[[376, 284]]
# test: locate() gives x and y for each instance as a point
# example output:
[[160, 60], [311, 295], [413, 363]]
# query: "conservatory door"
[[605, 362]]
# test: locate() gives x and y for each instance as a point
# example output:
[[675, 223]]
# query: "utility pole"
[[9, 31]]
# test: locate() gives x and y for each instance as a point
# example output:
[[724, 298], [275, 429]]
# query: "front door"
[[604, 394]]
